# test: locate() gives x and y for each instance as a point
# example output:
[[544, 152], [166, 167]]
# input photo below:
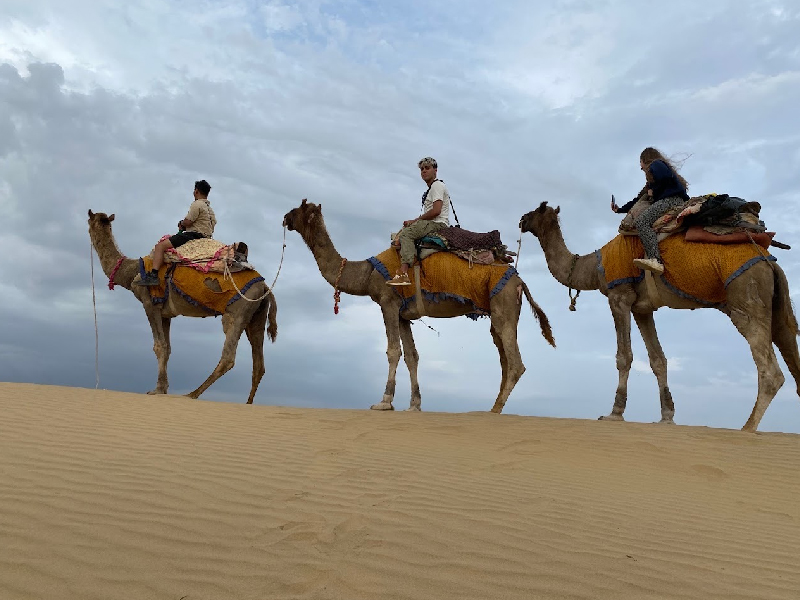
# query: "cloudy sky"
[[120, 107]]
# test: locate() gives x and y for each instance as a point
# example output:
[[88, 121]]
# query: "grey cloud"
[[270, 120]]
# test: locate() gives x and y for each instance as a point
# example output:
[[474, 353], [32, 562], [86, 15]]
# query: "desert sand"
[[107, 495]]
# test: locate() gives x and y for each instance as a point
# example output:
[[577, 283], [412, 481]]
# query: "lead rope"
[[96, 334], [572, 300], [519, 247], [336, 293], [229, 276]]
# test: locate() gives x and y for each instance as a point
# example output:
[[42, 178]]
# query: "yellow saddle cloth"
[[191, 285], [693, 270], [445, 276]]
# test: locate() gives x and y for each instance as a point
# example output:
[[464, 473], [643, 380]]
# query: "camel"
[[359, 278], [757, 302], [250, 317]]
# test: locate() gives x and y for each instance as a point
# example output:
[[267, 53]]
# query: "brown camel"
[[361, 279], [250, 317], [757, 302]]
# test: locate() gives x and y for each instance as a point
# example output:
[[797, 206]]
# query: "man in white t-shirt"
[[435, 216]]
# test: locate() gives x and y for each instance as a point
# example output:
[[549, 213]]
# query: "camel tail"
[[784, 325], [544, 322], [272, 328]]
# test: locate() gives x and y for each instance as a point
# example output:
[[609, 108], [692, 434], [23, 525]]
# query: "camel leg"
[[658, 362], [504, 331], [161, 347], [784, 326], [233, 331], [255, 334], [621, 311], [755, 325], [412, 362], [391, 319]]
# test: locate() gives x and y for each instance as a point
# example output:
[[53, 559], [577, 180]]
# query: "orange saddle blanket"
[[445, 276], [193, 286], [693, 270]]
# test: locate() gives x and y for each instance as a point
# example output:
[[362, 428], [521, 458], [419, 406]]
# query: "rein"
[[336, 292], [96, 334], [572, 299]]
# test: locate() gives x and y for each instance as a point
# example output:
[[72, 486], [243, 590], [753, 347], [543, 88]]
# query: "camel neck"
[[352, 278], [577, 272], [112, 260]]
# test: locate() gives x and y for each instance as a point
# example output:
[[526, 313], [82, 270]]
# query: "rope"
[[572, 300], [336, 293], [111, 283], [283, 252], [96, 334], [760, 251], [519, 247], [229, 276]]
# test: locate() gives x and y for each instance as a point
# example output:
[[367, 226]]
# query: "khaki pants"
[[408, 235]]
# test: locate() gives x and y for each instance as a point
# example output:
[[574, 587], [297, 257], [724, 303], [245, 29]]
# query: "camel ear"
[[558, 209], [91, 214], [319, 206], [110, 217]]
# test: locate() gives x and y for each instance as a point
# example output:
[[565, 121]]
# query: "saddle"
[[711, 218], [476, 248], [208, 255]]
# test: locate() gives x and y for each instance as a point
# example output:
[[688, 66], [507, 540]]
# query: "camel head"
[[539, 220], [301, 218], [99, 222]]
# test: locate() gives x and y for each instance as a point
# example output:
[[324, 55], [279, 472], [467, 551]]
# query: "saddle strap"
[[418, 290]]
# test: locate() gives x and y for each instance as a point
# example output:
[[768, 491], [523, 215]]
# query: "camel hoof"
[[382, 406], [155, 392], [611, 417], [193, 395], [666, 422], [413, 408], [497, 410]]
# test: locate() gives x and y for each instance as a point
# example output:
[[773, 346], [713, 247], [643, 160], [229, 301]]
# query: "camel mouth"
[[288, 222]]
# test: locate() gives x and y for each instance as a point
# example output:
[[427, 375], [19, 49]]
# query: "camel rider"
[[667, 190], [199, 222], [435, 216]]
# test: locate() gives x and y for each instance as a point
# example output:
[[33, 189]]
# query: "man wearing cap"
[[435, 216]]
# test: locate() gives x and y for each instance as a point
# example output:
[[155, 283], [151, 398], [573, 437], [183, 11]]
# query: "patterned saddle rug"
[[461, 239], [208, 255], [445, 276], [694, 270], [212, 292]]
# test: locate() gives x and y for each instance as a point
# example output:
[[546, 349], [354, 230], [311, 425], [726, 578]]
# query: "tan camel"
[[361, 279], [250, 317], [757, 302]]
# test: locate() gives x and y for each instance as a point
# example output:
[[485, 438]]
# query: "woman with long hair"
[[667, 189]]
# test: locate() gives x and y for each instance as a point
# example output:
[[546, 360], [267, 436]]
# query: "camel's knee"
[[394, 354], [225, 364], [624, 361]]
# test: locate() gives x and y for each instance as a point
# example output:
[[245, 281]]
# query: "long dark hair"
[[651, 154]]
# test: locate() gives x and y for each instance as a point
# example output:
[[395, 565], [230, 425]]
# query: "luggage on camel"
[[710, 219]]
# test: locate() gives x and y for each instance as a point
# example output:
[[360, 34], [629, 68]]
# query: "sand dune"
[[107, 495]]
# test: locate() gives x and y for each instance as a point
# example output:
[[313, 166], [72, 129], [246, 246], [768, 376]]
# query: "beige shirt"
[[202, 217]]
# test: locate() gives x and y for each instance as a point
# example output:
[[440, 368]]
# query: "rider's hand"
[[614, 206]]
